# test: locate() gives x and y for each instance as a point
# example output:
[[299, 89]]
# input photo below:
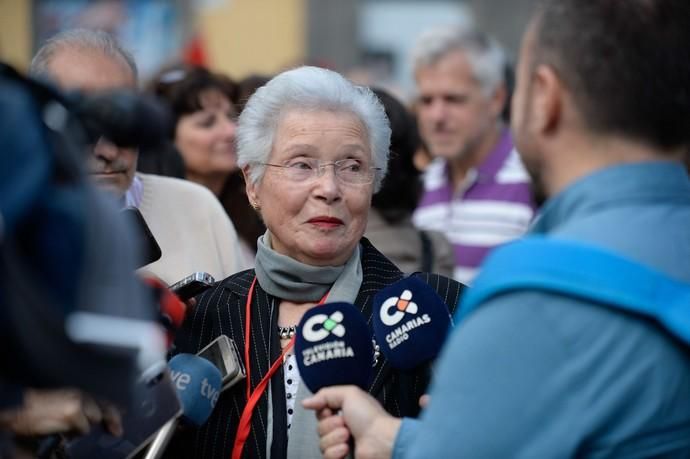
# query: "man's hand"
[[361, 417], [47, 412]]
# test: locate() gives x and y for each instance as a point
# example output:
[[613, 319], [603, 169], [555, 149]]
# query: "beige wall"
[[255, 36], [15, 32]]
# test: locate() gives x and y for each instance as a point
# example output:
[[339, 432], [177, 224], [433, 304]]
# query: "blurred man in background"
[[186, 220], [540, 373], [476, 190]]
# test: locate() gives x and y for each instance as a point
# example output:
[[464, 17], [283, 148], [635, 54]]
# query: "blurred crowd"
[[464, 175]]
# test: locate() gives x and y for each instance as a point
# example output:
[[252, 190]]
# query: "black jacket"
[[222, 311]]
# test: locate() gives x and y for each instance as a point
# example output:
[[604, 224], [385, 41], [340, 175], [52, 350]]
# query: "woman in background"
[[204, 113]]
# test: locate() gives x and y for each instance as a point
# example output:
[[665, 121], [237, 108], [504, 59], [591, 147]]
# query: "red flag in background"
[[194, 52]]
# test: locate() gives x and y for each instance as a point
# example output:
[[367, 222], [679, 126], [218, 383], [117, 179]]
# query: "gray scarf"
[[288, 279]]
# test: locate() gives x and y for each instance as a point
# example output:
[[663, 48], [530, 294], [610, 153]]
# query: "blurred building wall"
[[249, 36], [388, 30], [332, 33], [504, 19], [15, 32], [254, 36]]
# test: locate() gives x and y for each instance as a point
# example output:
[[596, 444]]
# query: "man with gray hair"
[[187, 221], [476, 190]]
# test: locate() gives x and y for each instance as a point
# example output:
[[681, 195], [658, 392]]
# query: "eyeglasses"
[[349, 171]]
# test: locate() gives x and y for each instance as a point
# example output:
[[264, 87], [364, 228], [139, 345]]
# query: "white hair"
[[486, 57], [308, 89], [98, 40]]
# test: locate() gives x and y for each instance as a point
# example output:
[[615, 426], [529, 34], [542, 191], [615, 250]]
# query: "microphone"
[[198, 385], [410, 324], [171, 310], [147, 243], [333, 347], [126, 118]]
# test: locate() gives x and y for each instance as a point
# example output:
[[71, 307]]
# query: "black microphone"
[[147, 243], [410, 324], [333, 347], [125, 117]]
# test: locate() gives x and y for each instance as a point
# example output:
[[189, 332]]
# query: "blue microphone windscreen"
[[410, 322], [333, 347], [198, 384]]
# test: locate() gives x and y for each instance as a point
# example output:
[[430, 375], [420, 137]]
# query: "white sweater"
[[192, 229]]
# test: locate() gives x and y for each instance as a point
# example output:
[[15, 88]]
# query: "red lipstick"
[[326, 222]]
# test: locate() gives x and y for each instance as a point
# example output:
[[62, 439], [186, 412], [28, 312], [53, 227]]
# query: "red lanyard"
[[253, 397]]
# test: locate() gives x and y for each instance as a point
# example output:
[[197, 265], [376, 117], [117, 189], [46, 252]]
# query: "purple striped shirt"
[[493, 206]]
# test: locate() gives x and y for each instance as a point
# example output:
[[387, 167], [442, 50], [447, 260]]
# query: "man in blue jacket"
[[601, 117]]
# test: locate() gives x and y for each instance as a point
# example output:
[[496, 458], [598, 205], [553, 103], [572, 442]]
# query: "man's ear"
[[547, 98]]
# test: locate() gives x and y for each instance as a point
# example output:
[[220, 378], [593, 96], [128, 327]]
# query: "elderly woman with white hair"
[[314, 149]]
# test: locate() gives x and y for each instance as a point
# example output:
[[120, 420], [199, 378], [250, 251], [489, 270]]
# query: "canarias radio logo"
[[319, 326], [393, 310]]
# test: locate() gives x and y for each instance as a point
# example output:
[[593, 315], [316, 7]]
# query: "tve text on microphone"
[[181, 380]]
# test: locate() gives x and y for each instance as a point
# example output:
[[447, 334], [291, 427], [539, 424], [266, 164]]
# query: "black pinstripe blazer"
[[222, 311]]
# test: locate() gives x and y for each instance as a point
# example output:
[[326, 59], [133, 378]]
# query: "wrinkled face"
[[522, 113], [206, 138], [454, 113], [88, 70], [319, 221]]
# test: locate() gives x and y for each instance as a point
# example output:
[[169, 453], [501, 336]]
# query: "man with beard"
[[601, 118], [187, 221], [476, 190]]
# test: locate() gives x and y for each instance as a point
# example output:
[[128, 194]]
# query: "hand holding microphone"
[[333, 348], [410, 325]]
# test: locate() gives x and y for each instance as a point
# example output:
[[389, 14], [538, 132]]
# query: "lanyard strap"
[[246, 419], [253, 397]]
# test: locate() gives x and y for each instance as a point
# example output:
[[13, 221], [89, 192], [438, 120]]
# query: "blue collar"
[[635, 183]]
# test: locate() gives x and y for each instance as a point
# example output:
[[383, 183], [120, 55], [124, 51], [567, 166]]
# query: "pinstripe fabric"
[[222, 311]]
